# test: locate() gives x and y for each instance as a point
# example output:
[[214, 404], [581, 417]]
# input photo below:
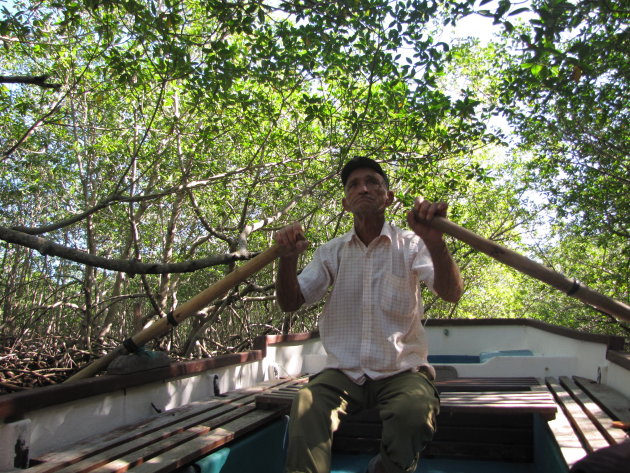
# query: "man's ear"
[[390, 198]]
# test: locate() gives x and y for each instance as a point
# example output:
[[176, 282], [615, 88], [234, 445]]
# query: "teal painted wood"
[[259, 452]]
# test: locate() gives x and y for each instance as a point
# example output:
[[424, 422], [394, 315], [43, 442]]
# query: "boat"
[[518, 395]]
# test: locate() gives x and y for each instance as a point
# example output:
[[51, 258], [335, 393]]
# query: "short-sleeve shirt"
[[371, 324]]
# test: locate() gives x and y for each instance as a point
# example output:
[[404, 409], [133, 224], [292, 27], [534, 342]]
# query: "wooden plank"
[[508, 402], [280, 399], [359, 430], [122, 457], [274, 401], [483, 433], [514, 402], [506, 452], [465, 435], [594, 412], [568, 442], [487, 384], [496, 396], [502, 452], [205, 444], [368, 423], [613, 402], [473, 418], [587, 432], [175, 420], [55, 460]]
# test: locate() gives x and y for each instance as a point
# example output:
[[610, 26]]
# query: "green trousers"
[[408, 404]]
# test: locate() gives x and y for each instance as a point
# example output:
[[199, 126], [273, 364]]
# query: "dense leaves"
[[181, 134], [571, 92]]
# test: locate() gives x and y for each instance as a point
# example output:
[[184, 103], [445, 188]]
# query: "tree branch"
[[132, 267], [116, 197], [31, 80], [249, 229]]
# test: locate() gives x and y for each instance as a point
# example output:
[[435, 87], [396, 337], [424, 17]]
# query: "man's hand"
[[292, 240], [447, 282], [421, 214]]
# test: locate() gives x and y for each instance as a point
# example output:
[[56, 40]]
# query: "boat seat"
[[491, 393], [587, 418], [479, 395], [487, 418], [168, 441], [482, 418], [580, 415]]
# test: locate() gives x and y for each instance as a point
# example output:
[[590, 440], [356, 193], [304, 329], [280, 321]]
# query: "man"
[[371, 324], [612, 459]]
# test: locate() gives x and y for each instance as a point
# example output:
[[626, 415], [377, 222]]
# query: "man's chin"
[[367, 208]]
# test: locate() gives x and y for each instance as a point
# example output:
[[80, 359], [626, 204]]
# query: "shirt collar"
[[387, 231]]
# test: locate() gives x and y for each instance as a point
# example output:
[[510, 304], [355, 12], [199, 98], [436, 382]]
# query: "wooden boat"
[[517, 396]]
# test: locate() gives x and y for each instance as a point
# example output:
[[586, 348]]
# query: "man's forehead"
[[362, 172]]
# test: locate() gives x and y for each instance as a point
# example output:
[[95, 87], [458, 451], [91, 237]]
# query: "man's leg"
[[408, 404], [315, 414]]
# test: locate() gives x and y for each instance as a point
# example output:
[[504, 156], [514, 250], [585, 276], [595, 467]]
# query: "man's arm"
[[448, 283], [293, 242]]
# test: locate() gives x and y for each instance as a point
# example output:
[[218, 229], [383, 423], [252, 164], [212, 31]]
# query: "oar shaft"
[[191, 307], [536, 270]]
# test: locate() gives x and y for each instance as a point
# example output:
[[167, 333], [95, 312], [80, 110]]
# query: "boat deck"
[[169, 441], [489, 420]]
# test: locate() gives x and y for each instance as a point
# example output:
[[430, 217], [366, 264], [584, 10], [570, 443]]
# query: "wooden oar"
[[191, 307], [536, 270]]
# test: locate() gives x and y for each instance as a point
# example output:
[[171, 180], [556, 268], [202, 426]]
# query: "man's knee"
[[412, 413], [414, 409], [302, 402], [319, 403]]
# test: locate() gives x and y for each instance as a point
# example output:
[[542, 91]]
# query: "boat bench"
[[481, 418], [496, 418], [587, 417], [478, 395], [168, 441]]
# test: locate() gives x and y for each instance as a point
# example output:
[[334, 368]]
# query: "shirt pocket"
[[397, 296]]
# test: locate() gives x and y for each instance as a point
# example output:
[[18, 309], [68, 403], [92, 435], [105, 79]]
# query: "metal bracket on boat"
[[215, 386], [15, 439], [273, 370]]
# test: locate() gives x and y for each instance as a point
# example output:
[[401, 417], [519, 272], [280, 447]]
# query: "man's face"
[[366, 192]]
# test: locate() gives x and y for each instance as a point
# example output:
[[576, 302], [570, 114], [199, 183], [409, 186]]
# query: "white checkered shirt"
[[371, 322]]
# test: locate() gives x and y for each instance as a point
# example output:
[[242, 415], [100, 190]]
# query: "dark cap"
[[359, 162]]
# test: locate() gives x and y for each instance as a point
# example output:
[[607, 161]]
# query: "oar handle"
[[191, 307], [536, 270]]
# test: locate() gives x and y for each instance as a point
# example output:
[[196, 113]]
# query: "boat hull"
[[55, 418]]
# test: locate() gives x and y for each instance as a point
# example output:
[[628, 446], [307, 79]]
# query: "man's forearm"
[[288, 293], [448, 283]]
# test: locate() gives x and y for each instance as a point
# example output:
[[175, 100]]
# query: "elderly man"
[[371, 323]]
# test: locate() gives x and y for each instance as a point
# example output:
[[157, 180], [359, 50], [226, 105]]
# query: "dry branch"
[[39, 81], [47, 247]]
